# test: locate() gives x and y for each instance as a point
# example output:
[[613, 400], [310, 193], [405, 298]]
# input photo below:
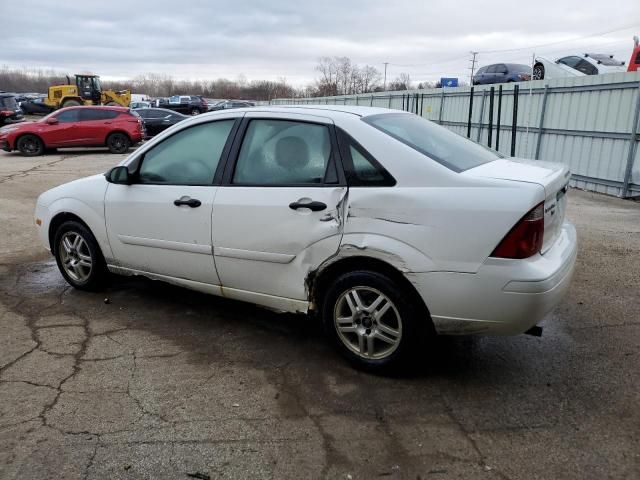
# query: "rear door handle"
[[313, 206], [188, 201]]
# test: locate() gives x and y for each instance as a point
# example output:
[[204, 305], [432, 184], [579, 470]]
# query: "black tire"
[[538, 72], [112, 104], [71, 103], [403, 305], [30, 145], [118, 143], [96, 274], [195, 111]]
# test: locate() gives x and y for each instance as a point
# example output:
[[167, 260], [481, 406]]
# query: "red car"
[[117, 128]]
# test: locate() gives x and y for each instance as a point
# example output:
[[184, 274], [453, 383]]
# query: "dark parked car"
[[36, 107], [157, 120], [9, 110], [185, 104], [117, 128], [502, 73], [231, 104]]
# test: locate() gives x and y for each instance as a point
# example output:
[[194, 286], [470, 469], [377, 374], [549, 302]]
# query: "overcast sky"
[[271, 39]]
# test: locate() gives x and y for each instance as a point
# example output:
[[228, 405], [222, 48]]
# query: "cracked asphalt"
[[160, 382]]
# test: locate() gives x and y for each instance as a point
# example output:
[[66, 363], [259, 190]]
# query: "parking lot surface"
[[147, 380]]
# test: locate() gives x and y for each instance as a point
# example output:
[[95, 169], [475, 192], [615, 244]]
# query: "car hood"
[[95, 184]]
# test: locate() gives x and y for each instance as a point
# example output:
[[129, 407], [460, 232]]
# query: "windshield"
[[450, 149], [606, 60]]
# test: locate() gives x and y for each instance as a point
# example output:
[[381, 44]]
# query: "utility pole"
[[384, 86], [473, 65]]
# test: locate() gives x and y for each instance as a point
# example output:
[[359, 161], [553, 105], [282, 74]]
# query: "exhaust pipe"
[[535, 331]]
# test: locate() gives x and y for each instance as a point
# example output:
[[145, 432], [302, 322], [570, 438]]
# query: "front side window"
[[189, 157], [283, 152], [570, 61], [586, 68], [491, 69], [445, 147], [68, 116]]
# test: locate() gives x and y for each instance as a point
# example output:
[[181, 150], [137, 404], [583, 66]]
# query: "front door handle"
[[188, 201], [313, 206]]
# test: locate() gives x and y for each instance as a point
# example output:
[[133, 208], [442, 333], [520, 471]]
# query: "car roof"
[[101, 107], [326, 110]]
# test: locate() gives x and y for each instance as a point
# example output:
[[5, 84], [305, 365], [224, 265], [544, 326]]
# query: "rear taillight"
[[525, 239]]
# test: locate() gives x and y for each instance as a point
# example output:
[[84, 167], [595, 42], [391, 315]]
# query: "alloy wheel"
[[75, 256], [367, 322]]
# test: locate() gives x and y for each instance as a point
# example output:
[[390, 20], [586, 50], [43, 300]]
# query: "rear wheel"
[[78, 256], [195, 111], [71, 103], [118, 143], [371, 320], [538, 71], [30, 146]]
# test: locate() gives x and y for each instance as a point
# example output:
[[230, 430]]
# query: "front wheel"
[[78, 256], [118, 143], [371, 320], [30, 146], [538, 71]]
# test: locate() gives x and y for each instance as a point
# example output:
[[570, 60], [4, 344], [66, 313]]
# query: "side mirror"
[[52, 121], [119, 175]]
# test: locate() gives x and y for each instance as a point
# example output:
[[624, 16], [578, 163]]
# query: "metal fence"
[[589, 123]]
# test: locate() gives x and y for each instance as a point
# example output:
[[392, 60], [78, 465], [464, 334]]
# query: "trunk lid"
[[553, 177]]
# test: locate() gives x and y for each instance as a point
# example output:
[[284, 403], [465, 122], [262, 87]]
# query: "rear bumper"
[[505, 297]]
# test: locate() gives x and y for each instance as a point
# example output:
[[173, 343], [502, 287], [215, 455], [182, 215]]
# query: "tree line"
[[336, 76]]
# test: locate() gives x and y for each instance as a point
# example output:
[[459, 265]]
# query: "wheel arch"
[[112, 132], [58, 220], [319, 280], [24, 134]]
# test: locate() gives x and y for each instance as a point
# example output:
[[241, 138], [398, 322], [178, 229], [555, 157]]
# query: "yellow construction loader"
[[86, 91]]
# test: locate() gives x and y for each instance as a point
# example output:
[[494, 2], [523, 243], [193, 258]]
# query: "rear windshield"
[[450, 149], [8, 103]]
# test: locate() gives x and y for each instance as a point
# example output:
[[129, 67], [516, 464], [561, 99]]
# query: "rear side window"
[[282, 152], [91, 114], [190, 157], [361, 169], [445, 147]]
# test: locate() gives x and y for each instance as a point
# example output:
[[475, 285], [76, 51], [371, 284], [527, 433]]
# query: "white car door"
[[161, 223], [279, 210]]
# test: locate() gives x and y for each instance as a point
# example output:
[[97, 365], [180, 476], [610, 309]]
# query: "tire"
[[357, 332], [78, 256], [30, 146], [112, 104], [71, 103], [195, 111], [118, 143], [538, 72]]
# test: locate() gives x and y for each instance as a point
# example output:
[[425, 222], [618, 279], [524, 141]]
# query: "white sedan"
[[385, 224], [576, 66]]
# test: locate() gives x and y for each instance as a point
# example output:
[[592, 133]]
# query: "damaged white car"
[[385, 224]]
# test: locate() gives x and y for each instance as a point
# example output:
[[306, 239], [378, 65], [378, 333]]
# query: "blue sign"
[[449, 82]]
